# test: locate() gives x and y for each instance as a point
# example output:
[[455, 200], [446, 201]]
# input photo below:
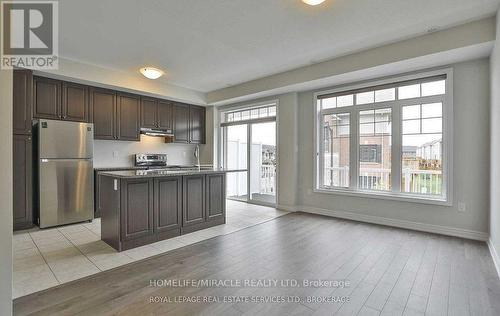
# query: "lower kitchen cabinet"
[[136, 209], [215, 204], [168, 206], [23, 181], [140, 211], [193, 211]]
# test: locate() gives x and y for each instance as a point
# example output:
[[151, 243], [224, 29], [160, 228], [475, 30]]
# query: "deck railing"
[[412, 181]]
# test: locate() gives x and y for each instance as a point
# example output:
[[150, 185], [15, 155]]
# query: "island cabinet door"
[[136, 208], [216, 196], [194, 200], [168, 203]]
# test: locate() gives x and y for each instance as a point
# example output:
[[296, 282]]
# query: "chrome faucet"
[[197, 155]]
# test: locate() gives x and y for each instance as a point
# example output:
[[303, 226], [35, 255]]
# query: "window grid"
[[250, 114], [436, 93]]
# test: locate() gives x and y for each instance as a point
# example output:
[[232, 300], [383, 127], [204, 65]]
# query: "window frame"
[[397, 153]]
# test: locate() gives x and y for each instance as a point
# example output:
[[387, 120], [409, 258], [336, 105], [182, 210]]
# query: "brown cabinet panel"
[[75, 102], [216, 196], [47, 98], [136, 208], [149, 113], [23, 181], [128, 117], [168, 203], [165, 114], [103, 105], [196, 124], [193, 210], [22, 98], [181, 123]]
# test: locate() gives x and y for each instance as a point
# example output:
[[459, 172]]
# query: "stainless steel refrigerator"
[[65, 172]]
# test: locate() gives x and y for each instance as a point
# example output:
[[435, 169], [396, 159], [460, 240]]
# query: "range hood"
[[157, 132]]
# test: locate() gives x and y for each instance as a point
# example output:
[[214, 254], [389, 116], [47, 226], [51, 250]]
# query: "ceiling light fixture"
[[151, 72], [313, 2]]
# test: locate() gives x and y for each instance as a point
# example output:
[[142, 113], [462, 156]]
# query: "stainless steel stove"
[[151, 160]]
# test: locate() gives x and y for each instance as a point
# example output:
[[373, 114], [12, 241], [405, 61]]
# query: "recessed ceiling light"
[[313, 2], [151, 72]]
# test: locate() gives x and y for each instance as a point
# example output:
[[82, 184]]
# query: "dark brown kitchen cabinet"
[[156, 113], [58, 100], [165, 114], [196, 124], [140, 211], [103, 106], [47, 98], [23, 182], [181, 123], [75, 102], [215, 196], [22, 100], [128, 117], [168, 204], [149, 113], [137, 209], [193, 211]]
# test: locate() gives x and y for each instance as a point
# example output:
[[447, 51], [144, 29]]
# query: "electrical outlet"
[[462, 207]]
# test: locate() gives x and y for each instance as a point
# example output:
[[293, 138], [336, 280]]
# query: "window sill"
[[386, 196]]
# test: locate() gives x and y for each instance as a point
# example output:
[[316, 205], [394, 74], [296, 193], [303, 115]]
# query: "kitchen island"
[[139, 207]]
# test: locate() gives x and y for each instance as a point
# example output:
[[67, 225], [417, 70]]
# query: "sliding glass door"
[[236, 158], [263, 162], [249, 148]]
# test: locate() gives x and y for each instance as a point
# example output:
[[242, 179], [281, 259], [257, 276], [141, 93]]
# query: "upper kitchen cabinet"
[[22, 98], [103, 106], [47, 98], [156, 113], [57, 100], [149, 113], [165, 117], [128, 117], [196, 124], [181, 123], [75, 102]]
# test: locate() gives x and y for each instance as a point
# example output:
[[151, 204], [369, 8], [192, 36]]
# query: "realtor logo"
[[29, 34]]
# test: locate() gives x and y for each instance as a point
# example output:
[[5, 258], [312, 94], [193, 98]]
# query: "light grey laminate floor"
[[385, 271]]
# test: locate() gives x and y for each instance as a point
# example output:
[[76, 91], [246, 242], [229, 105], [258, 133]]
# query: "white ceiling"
[[207, 45]]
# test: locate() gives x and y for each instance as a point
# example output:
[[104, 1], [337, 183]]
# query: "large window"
[[390, 138]]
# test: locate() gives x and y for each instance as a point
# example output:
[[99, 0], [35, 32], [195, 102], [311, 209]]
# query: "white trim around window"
[[352, 189]]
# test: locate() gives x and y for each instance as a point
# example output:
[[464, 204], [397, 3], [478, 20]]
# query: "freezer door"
[[59, 139], [66, 191]]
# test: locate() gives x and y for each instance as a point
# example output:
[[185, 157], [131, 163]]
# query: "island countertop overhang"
[[156, 173]]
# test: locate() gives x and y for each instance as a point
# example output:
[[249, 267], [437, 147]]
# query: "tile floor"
[[48, 257]]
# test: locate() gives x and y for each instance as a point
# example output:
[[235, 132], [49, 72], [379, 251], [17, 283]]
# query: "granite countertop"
[[153, 173], [120, 168]]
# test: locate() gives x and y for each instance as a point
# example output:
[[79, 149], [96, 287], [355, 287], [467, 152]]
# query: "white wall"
[[6, 193], [471, 161], [178, 154], [495, 146], [427, 50]]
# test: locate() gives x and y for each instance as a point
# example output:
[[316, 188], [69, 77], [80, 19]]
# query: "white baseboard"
[[437, 229], [288, 208], [494, 255]]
